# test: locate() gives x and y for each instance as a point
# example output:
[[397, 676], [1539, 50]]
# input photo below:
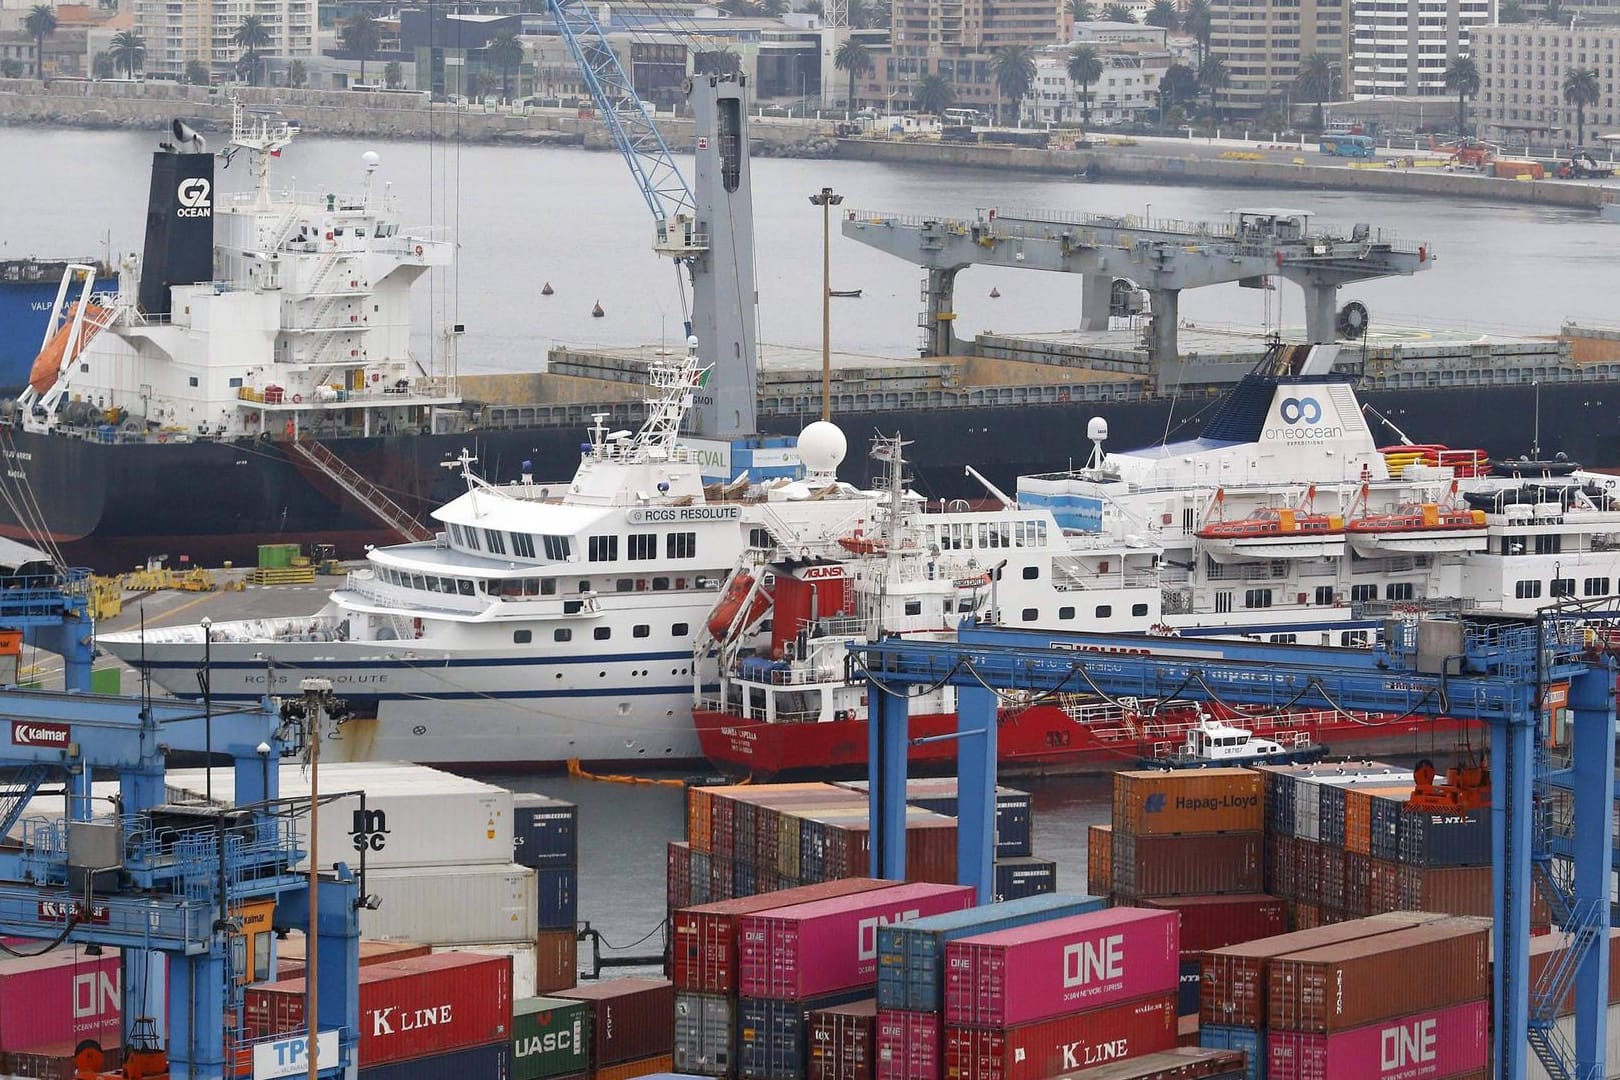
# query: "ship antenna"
[[1535, 437]]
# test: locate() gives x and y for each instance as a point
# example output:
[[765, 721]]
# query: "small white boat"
[[1216, 743]]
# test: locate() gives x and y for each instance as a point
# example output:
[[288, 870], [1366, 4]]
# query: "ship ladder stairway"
[[17, 789], [1586, 919], [367, 494]]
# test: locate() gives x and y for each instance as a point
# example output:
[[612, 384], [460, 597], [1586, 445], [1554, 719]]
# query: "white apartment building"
[[1261, 42], [1521, 73], [1402, 48], [180, 31], [1128, 90]]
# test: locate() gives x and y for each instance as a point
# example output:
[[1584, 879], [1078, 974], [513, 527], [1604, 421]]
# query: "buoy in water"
[[995, 294], [597, 312], [546, 290]]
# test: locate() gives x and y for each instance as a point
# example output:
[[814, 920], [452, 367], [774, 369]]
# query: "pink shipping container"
[[1063, 966], [466, 996], [1214, 922], [1062, 1045], [910, 1045], [807, 950], [60, 997], [704, 938], [1425, 1046]]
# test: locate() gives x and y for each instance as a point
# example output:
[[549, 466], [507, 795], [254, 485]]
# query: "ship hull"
[[1039, 740], [110, 506]]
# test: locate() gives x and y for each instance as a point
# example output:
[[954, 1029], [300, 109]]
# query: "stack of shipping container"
[[50, 1002], [749, 839], [911, 978], [545, 838], [467, 995], [1182, 1063], [1055, 997], [629, 1026]]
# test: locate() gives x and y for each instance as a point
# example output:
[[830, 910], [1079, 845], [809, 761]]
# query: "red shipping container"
[[630, 1019], [1063, 1044], [290, 953], [843, 1042], [1424, 1046], [1213, 922], [807, 950], [408, 1009], [59, 997], [704, 938], [910, 1045], [1062, 966]]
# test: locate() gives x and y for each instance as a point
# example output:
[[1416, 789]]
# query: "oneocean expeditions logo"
[[1302, 421], [195, 195]]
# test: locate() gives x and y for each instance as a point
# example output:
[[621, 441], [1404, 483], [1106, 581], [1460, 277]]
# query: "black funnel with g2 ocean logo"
[[179, 227]]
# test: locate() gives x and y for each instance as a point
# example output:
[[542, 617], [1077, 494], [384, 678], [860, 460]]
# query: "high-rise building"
[[1522, 68], [958, 40], [1261, 42], [180, 31], [1403, 47]]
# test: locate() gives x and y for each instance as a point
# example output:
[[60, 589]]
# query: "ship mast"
[[263, 135]]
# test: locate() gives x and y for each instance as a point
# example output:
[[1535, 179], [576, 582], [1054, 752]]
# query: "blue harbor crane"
[[1503, 673]]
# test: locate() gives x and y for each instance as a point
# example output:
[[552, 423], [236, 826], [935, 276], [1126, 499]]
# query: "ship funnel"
[[179, 222], [188, 140]]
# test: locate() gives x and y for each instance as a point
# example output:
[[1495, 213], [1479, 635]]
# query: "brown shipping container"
[[628, 1070], [1186, 865], [1455, 890], [1099, 860], [556, 960], [1358, 803], [843, 1043], [1183, 1063], [631, 1019], [290, 952], [1383, 886], [1155, 802], [1357, 884], [1361, 982], [1233, 989]]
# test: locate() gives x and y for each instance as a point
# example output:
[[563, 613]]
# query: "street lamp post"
[[208, 709], [826, 200], [316, 692]]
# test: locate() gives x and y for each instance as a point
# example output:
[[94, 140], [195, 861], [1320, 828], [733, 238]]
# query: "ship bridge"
[[1161, 256]]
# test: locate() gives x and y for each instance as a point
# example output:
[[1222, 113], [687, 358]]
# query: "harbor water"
[[525, 216]]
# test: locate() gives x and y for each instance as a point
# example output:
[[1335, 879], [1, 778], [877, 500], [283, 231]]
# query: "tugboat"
[[1217, 743]]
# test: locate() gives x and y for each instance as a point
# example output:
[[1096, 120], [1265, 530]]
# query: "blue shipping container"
[[1386, 828], [773, 1040], [911, 955], [1445, 839], [1251, 1041], [742, 879], [484, 1062], [545, 831], [1331, 814], [559, 897], [1187, 991], [1024, 876]]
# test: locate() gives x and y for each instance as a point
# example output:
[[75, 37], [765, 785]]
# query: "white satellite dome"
[[822, 447], [1097, 429]]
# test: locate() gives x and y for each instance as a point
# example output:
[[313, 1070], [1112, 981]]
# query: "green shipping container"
[[107, 681], [549, 1038], [277, 556]]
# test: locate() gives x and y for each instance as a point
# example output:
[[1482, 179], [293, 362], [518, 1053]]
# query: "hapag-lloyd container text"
[[803, 951], [1063, 1044], [1063, 966], [1427, 1046]]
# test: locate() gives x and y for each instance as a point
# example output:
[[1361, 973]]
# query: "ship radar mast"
[[264, 134], [673, 389]]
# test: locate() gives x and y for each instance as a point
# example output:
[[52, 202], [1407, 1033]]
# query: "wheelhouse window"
[[556, 548], [681, 545], [642, 546], [523, 545], [603, 549], [496, 541], [471, 536]]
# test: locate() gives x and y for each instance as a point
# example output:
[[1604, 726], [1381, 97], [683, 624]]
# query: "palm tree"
[[40, 23], [297, 74], [128, 51], [1315, 82], [1117, 12], [362, 37], [251, 36], [1195, 20], [1014, 69], [197, 73], [101, 67], [1580, 90], [505, 51], [1082, 10], [853, 57], [1213, 77], [1163, 14], [1463, 78], [1085, 67], [393, 74], [935, 94]]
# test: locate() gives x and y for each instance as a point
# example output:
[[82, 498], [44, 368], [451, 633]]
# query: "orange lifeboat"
[[724, 615], [1272, 522], [1423, 517], [859, 543], [48, 364]]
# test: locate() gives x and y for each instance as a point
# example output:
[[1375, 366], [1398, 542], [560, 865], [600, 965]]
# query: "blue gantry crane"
[[1502, 673], [157, 879]]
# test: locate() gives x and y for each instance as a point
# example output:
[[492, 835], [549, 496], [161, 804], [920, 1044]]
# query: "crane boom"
[[634, 133]]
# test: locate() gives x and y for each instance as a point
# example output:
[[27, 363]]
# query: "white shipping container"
[[523, 963], [414, 816], [1566, 1028], [453, 905]]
